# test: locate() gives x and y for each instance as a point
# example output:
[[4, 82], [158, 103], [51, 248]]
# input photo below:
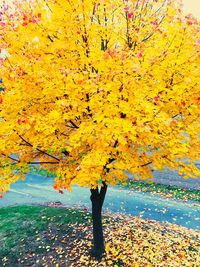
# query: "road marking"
[[40, 187], [19, 192]]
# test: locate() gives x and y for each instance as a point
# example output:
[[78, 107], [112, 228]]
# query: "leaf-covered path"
[[38, 189]]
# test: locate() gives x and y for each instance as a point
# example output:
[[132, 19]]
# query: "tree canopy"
[[94, 89]]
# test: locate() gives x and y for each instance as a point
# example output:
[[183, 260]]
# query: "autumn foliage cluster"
[[93, 89]]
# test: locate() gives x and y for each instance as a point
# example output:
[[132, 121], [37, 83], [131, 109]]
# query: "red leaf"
[[183, 103], [155, 100], [154, 22], [55, 186], [25, 17], [130, 15], [139, 55]]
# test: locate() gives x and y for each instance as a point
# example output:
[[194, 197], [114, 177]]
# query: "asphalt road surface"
[[38, 190]]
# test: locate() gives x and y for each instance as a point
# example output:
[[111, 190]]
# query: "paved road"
[[38, 189]]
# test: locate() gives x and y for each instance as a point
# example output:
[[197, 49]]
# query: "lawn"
[[167, 191], [30, 230], [46, 236]]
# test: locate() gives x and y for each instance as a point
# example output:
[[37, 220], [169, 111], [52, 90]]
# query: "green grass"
[[41, 172], [20, 224], [165, 190]]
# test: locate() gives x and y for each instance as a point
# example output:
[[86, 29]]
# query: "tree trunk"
[[97, 199]]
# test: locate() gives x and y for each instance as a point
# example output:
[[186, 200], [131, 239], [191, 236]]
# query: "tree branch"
[[109, 161], [31, 163], [41, 151], [42, 162], [73, 125], [66, 153], [11, 158], [146, 164]]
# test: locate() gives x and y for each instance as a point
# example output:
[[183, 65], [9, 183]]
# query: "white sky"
[[190, 6]]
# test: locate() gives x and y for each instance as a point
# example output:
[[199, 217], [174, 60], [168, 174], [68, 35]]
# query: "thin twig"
[[11, 158]]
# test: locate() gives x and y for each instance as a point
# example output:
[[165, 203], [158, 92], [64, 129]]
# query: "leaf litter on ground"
[[129, 241]]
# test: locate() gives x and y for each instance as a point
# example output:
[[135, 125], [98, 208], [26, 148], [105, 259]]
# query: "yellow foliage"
[[93, 89]]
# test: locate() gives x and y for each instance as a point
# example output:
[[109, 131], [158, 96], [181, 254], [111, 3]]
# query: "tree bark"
[[97, 199]]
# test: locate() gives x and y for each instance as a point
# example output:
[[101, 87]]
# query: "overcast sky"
[[190, 6]]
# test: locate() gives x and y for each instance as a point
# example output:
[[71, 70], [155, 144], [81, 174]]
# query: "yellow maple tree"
[[93, 89]]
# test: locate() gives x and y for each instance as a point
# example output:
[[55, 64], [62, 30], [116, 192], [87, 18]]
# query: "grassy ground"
[[44, 236], [168, 191], [26, 230]]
